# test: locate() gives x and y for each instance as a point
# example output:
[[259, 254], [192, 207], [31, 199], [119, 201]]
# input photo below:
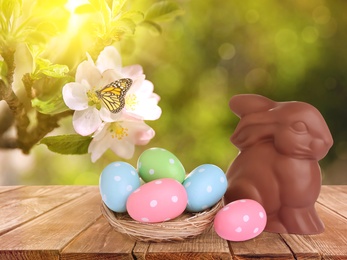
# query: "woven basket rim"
[[187, 225]]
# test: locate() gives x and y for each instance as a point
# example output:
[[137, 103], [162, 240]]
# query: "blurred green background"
[[285, 50]]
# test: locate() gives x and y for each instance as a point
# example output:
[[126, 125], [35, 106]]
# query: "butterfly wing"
[[113, 94]]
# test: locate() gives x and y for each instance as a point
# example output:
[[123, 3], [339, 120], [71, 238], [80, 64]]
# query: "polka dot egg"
[[158, 163], [205, 186], [117, 181], [240, 220], [157, 201]]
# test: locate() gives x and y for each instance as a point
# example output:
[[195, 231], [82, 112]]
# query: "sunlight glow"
[[75, 19]]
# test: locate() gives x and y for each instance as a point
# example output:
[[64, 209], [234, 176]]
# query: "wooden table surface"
[[65, 222]]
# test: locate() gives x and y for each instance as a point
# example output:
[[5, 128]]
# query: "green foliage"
[[67, 144], [30, 22], [45, 67], [160, 12]]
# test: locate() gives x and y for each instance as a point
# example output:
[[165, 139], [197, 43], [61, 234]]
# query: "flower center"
[[117, 130], [93, 99], [131, 102]]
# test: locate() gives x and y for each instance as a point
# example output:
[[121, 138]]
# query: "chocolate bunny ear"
[[245, 104]]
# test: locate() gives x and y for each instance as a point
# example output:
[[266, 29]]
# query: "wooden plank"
[[106, 243], [331, 244], [45, 236], [301, 248], [8, 188], [21, 205], [268, 245], [205, 246], [334, 198]]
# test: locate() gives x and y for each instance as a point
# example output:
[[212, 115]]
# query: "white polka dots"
[[117, 178], [187, 184], [238, 230], [222, 179], [201, 170], [171, 161], [133, 173], [157, 201], [117, 164], [153, 203], [209, 189], [245, 218], [151, 171], [129, 188]]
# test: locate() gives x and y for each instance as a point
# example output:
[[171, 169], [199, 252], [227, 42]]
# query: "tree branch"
[[44, 123]]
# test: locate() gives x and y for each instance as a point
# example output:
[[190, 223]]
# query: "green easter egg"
[[158, 163]]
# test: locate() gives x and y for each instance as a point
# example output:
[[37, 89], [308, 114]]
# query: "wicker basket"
[[187, 225]]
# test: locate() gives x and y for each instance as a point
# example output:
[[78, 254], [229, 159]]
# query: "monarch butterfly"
[[112, 95]]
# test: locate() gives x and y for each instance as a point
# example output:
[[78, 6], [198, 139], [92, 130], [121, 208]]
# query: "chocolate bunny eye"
[[299, 127]]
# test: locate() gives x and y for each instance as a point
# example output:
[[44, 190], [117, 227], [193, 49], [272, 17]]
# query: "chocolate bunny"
[[280, 145]]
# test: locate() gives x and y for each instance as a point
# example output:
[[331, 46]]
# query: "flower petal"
[[98, 147], [146, 109], [132, 71], [107, 116], [87, 73], [109, 76], [139, 132], [87, 121], [109, 58], [75, 96], [123, 148]]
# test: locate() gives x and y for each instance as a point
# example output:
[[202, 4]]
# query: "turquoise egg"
[[117, 181], [158, 163], [205, 186]]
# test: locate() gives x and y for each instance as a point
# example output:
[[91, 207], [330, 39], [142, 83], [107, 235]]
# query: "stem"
[[7, 94], [45, 123]]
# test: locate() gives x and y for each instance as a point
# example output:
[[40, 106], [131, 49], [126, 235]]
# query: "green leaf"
[[11, 8], [44, 66], [67, 144], [152, 26], [117, 6], [51, 106], [163, 11], [135, 16], [122, 26]]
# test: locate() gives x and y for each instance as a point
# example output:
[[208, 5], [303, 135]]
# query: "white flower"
[[90, 112], [121, 137]]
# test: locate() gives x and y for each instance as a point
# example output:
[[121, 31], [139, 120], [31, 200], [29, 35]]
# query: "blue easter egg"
[[117, 181], [205, 186]]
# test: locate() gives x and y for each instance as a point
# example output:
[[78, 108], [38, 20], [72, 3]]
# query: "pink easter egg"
[[240, 220], [157, 201]]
